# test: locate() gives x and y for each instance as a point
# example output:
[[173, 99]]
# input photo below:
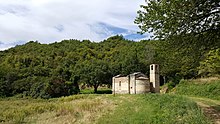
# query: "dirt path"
[[211, 108]]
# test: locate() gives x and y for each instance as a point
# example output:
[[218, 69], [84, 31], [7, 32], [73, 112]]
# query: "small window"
[[119, 85], [155, 67], [152, 67]]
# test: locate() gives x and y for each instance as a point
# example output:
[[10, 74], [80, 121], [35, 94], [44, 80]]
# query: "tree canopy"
[[170, 18], [190, 29], [59, 69]]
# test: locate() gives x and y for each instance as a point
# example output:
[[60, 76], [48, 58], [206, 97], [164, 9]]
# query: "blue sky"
[[48, 21]]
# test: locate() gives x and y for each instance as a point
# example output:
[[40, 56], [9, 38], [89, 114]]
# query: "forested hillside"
[[57, 69]]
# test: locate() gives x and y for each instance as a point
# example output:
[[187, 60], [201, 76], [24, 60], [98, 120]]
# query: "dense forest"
[[186, 45], [57, 69]]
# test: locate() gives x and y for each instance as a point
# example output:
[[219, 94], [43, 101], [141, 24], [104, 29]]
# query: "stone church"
[[137, 83]]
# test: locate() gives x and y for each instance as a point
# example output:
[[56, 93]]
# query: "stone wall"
[[142, 86], [130, 85], [137, 83], [120, 85]]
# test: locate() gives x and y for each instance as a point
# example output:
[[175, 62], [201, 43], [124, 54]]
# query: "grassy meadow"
[[102, 109], [72, 109], [207, 88], [178, 107]]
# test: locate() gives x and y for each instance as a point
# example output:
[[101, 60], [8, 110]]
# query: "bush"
[[58, 87]]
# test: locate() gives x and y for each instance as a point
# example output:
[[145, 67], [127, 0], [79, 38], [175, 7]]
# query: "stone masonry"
[[137, 83]]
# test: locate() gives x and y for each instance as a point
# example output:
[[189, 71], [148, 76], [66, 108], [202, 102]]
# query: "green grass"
[[155, 109], [199, 88], [100, 91], [102, 109]]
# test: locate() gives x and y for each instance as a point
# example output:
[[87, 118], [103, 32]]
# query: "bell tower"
[[155, 77]]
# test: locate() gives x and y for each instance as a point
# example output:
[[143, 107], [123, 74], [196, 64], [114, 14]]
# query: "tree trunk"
[[96, 87]]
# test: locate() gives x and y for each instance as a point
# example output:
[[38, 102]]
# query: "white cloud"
[[53, 20]]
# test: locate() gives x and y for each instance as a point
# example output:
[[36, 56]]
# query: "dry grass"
[[91, 109], [205, 80], [72, 109]]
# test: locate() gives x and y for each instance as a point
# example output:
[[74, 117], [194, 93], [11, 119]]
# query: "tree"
[[129, 62], [94, 73], [210, 66], [168, 18], [191, 28]]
